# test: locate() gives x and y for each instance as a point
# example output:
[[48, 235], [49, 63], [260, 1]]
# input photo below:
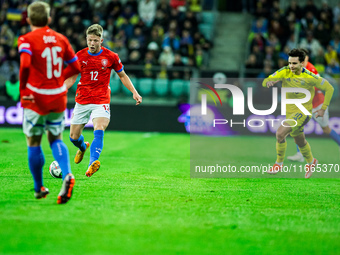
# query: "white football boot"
[[298, 157]]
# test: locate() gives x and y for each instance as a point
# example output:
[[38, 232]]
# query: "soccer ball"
[[55, 170]]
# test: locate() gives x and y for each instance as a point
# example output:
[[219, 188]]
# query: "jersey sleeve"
[[78, 55], [25, 61], [117, 64], [24, 46], [277, 76], [324, 85]]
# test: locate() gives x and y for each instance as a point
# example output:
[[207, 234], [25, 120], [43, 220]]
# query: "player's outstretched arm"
[[269, 83], [274, 78], [128, 84]]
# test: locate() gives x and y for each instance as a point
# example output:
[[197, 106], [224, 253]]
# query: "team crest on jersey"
[[104, 62]]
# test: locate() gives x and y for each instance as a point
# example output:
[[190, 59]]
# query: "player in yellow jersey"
[[296, 76]]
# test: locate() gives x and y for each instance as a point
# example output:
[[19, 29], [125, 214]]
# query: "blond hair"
[[95, 29], [38, 12]]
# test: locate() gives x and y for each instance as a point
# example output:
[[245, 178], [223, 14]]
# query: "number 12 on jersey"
[[94, 75]]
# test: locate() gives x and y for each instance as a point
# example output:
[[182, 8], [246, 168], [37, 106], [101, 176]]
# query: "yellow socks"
[[281, 151], [307, 152]]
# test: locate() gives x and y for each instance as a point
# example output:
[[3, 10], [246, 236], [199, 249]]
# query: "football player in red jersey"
[[317, 103], [43, 95], [93, 95]]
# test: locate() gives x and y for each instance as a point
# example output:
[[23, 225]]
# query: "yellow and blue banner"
[[14, 14]]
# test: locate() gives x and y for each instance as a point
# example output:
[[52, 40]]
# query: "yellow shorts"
[[297, 120]]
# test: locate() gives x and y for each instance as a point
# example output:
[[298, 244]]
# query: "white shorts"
[[35, 124], [82, 112], [323, 121]]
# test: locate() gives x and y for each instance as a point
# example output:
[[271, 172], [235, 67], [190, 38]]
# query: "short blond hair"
[[39, 12], [95, 29]]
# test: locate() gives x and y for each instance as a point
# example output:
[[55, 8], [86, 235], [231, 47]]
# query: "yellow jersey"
[[306, 80]]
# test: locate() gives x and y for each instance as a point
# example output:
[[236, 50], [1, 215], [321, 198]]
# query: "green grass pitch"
[[143, 201]]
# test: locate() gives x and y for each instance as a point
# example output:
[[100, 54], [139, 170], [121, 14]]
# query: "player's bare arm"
[[128, 84], [70, 81], [320, 113], [271, 83]]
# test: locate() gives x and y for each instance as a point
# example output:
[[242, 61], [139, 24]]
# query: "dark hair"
[[306, 51], [301, 54]]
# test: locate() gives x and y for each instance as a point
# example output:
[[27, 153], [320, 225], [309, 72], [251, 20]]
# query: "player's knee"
[[51, 138], [74, 136], [280, 137], [100, 126]]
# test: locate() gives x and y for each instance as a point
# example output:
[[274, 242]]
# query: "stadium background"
[[246, 39]]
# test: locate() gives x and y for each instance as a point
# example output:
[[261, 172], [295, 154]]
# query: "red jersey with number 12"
[[94, 84], [319, 97]]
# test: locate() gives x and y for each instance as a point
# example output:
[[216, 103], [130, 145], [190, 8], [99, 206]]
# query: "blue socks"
[[97, 145], [36, 162], [60, 154], [79, 143], [335, 137], [298, 149]]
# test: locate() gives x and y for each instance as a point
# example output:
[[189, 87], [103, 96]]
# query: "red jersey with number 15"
[[94, 84], [319, 97], [48, 50]]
